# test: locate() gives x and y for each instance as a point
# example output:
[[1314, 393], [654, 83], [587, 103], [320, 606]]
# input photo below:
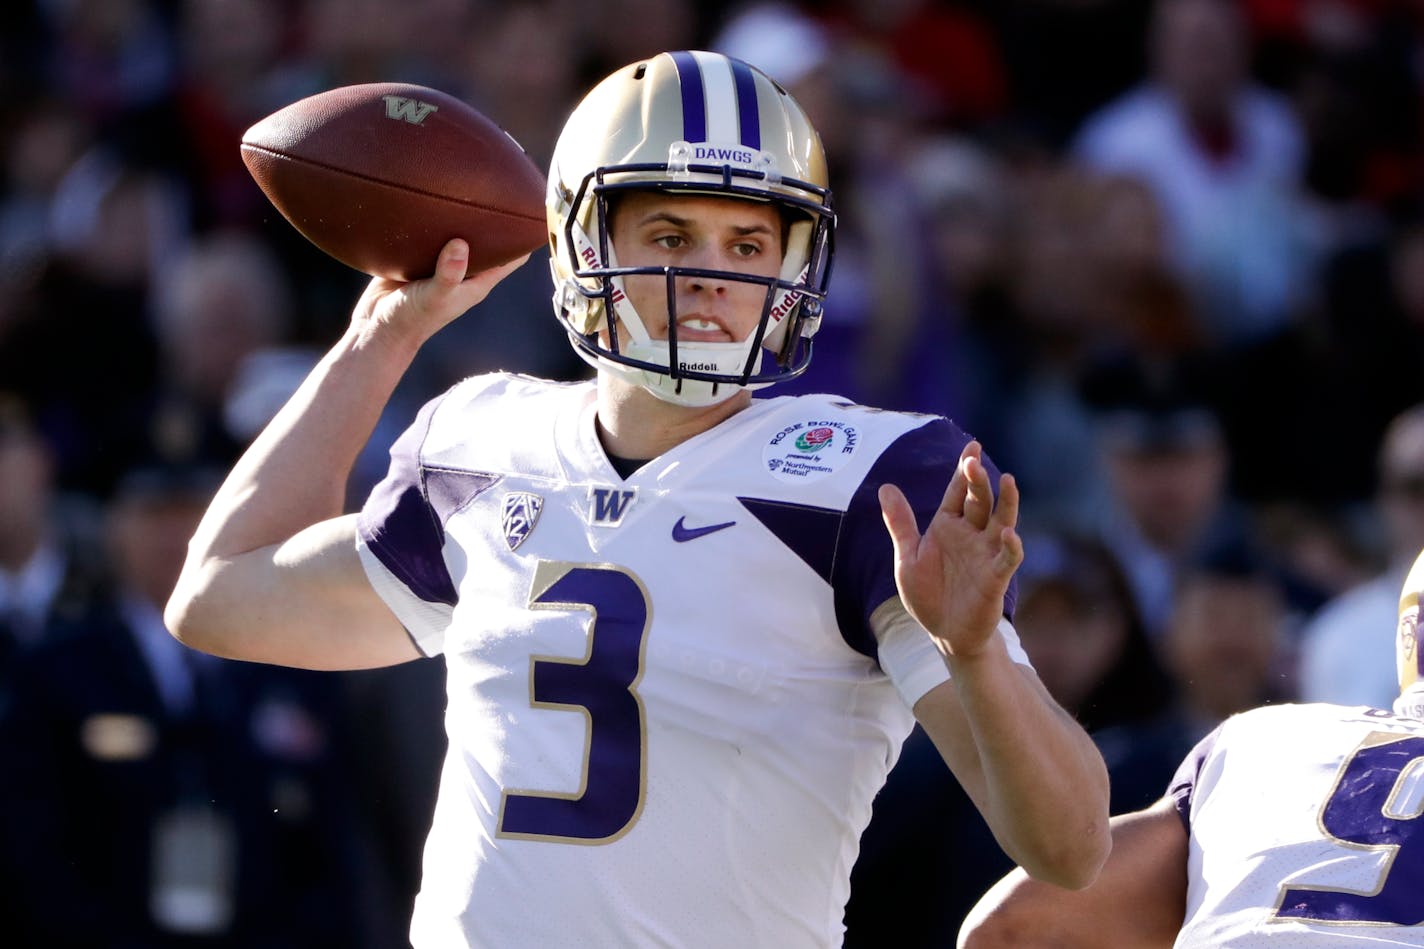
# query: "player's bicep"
[[1137, 902], [306, 602]]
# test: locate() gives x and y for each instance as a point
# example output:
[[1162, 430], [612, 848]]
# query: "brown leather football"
[[382, 175]]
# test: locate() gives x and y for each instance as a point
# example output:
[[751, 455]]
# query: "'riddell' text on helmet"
[[692, 123]]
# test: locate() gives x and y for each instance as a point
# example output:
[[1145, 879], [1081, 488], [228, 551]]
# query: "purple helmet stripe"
[[694, 102], [747, 113]]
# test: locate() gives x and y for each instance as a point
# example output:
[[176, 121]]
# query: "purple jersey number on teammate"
[[1371, 807]]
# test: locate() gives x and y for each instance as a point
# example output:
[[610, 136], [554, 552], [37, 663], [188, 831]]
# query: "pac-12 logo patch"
[[805, 451], [521, 513]]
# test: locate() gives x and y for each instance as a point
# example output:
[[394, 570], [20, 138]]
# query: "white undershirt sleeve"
[[911, 660]]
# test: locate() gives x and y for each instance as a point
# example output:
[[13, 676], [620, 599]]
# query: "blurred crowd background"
[[1166, 259]]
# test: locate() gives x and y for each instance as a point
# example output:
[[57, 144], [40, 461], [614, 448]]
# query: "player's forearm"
[[295, 473], [1045, 784], [1137, 902]]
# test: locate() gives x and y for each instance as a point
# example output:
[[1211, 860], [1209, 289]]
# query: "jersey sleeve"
[[1182, 788], [400, 540], [919, 462]]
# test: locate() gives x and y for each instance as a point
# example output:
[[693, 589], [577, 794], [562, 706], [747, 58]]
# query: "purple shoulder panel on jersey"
[[403, 519], [851, 550], [809, 532], [920, 462], [1184, 783]]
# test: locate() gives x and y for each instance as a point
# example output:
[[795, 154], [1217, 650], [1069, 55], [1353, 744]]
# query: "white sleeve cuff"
[[910, 658]]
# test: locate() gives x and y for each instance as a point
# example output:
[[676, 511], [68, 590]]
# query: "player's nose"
[[709, 261]]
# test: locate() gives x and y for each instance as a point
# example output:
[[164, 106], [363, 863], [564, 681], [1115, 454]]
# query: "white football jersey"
[[1305, 830], [669, 709]]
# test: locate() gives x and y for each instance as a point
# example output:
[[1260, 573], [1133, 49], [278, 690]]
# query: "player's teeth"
[[699, 324]]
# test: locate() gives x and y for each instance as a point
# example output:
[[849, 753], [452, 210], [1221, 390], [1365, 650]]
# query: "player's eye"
[[670, 241], [746, 249]]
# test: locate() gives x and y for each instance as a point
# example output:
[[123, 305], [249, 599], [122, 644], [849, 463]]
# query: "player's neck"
[[634, 423]]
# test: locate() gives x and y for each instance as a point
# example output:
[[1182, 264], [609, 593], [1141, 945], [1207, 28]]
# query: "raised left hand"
[[953, 578]]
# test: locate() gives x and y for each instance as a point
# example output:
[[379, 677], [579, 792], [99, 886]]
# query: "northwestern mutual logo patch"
[[809, 450], [521, 513]]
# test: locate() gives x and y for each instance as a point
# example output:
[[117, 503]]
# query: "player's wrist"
[[970, 656], [389, 341]]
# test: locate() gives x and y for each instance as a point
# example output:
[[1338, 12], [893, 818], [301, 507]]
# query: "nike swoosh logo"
[[682, 533]]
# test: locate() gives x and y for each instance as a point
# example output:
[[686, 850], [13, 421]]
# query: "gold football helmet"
[[1406, 644], [690, 122]]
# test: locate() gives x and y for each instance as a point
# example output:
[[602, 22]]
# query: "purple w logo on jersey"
[[521, 513], [606, 506]]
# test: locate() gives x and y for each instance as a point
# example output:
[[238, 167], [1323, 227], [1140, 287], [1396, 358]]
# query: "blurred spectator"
[[1343, 658], [42, 141], [47, 547], [1225, 157], [1050, 323], [1225, 649], [352, 41], [155, 797], [1225, 645], [223, 312], [614, 33], [231, 74], [522, 67], [1065, 59], [399, 714], [80, 348], [1166, 467], [1079, 624], [946, 52], [110, 57], [966, 199]]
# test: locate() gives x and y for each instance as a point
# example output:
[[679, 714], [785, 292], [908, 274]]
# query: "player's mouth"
[[703, 328]]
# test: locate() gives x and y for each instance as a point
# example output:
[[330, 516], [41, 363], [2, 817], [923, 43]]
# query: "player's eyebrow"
[[667, 217]]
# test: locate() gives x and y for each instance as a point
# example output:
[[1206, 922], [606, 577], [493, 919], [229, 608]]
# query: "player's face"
[[651, 229]]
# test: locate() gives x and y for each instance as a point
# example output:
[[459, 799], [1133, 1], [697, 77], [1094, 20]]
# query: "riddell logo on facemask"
[[697, 366]]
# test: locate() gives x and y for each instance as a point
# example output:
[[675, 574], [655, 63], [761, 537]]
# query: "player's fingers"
[[979, 497], [1011, 552], [899, 521], [1006, 512], [954, 494]]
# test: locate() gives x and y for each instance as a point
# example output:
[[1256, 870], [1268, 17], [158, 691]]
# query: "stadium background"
[[1186, 339]]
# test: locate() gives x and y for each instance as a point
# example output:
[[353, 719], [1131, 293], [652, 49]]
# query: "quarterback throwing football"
[[686, 629]]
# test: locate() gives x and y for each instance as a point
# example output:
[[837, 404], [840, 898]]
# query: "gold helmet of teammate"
[[1406, 644]]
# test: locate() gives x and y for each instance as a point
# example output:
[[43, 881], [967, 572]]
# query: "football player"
[[1289, 825], [683, 648]]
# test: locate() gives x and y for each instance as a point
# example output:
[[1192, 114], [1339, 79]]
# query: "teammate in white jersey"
[[1289, 825], [683, 649]]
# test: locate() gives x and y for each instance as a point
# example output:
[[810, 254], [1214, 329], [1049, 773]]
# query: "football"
[[382, 175]]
